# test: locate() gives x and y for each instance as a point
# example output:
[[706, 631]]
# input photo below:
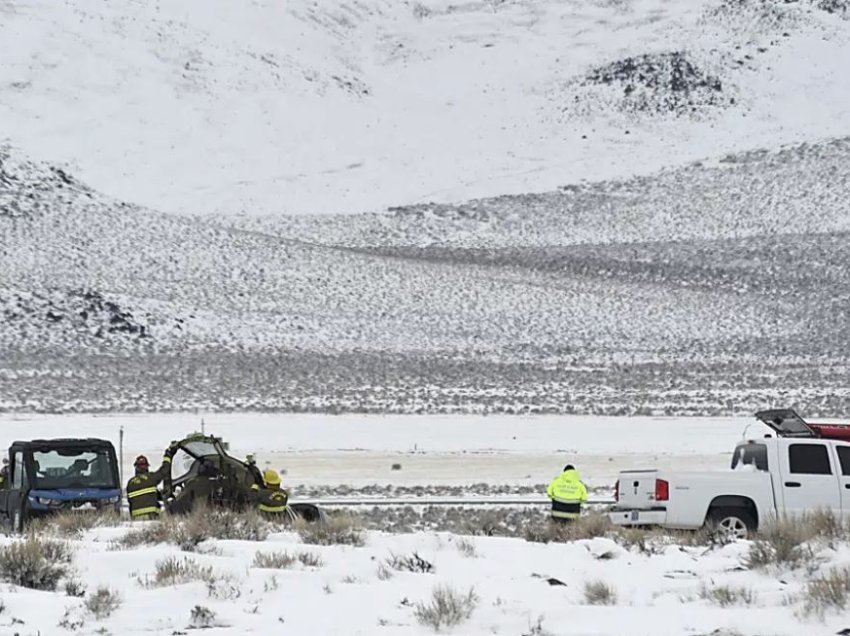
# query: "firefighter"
[[271, 500], [4, 472], [142, 493], [567, 493]]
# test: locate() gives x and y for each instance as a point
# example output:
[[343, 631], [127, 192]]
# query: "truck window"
[[19, 479], [809, 459], [751, 455], [844, 459]]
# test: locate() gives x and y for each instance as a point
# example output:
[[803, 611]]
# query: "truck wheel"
[[731, 524]]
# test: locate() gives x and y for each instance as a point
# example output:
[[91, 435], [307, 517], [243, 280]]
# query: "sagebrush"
[[285, 560], [829, 592], [409, 563], [727, 595], [599, 593], [72, 524], [173, 571], [201, 617], [339, 530], [35, 562], [102, 602], [446, 608], [783, 542], [188, 531]]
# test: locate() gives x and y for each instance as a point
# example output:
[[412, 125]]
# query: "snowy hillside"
[[107, 305], [301, 107], [605, 207]]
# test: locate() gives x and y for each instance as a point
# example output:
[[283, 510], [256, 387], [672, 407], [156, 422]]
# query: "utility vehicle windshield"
[[200, 448], [73, 468]]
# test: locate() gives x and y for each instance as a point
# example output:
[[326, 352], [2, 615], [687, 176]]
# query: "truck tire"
[[731, 524]]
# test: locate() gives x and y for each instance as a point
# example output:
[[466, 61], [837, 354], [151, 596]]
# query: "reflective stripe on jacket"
[[272, 502], [142, 493], [567, 493]]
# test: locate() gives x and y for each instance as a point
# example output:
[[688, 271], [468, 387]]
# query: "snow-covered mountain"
[[345, 106], [710, 276]]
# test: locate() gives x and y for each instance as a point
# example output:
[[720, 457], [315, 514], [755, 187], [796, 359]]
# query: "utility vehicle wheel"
[[731, 524]]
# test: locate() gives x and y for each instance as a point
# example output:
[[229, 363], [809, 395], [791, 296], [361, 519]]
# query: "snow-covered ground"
[[656, 595], [464, 450], [263, 108], [658, 590]]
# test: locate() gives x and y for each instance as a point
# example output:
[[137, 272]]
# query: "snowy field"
[[656, 595], [655, 590], [444, 450]]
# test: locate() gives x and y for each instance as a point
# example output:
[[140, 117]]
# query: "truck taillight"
[[617, 490], [662, 490]]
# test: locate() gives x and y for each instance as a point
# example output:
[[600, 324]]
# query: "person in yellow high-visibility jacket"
[[567, 493], [271, 500]]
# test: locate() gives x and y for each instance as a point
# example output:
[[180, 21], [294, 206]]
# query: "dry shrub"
[[73, 524], [201, 617], [486, 523], [585, 527], [75, 588], [828, 592], [599, 593], [224, 587], [174, 571], [726, 595], [340, 529], [466, 547], [782, 543], [103, 602], [203, 523], [73, 619], [35, 562], [410, 563], [823, 524], [310, 559], [447, 608], [273, 560], [285, 560]]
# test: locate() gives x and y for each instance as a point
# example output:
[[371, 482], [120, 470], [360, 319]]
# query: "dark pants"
[[567, 512]]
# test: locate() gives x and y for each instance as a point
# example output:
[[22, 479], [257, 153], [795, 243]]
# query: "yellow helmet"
[[271, 477]]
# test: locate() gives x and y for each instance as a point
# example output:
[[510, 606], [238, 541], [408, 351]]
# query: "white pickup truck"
[[803, 467]]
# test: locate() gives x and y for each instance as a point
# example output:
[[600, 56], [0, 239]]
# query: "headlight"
[[47, 501], [113, 500]]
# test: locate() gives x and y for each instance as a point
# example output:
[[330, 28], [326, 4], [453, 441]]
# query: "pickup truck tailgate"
[[636, 489]]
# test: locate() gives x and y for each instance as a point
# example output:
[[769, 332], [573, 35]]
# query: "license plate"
[[635, 514]]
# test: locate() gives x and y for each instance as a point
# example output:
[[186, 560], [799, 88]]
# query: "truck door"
[[807, 479], [843, 452]]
